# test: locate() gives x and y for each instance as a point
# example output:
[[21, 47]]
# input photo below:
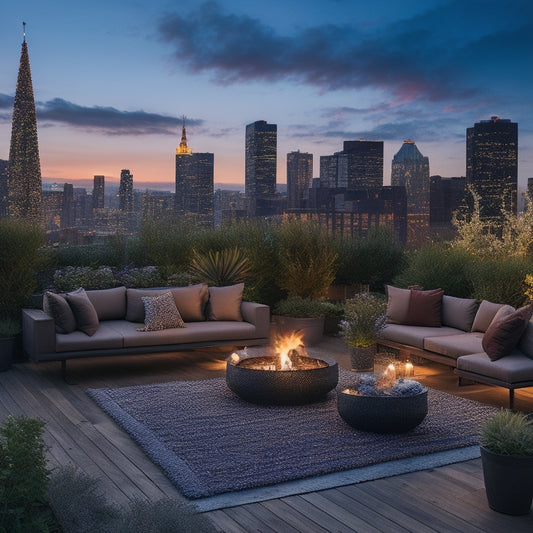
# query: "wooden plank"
[[292, 517]]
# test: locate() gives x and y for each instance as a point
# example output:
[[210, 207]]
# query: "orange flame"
[[283, 345]]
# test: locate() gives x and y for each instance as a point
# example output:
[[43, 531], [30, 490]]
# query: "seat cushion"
[[105, 337], [514, 369], [414, 335], [455, 345]]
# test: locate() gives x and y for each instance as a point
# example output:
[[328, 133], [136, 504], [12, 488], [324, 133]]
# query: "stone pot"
[[362, 358], [382, 414], [508, 482]]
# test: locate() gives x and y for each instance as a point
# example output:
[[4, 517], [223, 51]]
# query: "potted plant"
[[304, 315], [383, 404], [507, 459], [364, 318]]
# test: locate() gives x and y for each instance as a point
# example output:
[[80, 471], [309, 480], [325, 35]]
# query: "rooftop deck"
[[449, 498]]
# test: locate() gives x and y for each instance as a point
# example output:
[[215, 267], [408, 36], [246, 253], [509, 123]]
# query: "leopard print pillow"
[[160, 312]]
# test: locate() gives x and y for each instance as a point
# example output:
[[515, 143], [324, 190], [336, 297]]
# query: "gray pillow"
[[485, 314], [135, 305], [160, 312], [458, 313], [58, 308], [84, 311], [110, 304]]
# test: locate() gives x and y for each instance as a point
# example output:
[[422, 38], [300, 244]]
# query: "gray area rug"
[[209, 442]]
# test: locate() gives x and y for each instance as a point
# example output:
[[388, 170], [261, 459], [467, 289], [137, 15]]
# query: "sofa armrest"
[[258, 315], [38, 333]]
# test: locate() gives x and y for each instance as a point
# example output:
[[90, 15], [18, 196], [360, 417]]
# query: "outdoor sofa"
[[484, 341], [125, 321]]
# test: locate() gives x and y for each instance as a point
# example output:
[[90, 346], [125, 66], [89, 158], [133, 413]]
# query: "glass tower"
[[299, 178]]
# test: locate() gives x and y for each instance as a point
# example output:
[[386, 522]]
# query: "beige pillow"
[[486, 313], [397, 304], [191, 301], [225, 302], [135, 305]]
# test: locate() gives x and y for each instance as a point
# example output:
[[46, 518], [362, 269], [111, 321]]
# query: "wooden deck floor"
[[449, 498]]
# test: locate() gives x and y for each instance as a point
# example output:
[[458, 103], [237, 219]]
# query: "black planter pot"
[[508, 482], [382, 414]]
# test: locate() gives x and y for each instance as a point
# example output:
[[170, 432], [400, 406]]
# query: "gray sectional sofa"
[[115, 323], [458, 339]]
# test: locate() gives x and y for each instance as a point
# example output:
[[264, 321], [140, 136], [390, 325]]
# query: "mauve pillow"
[[225, 302], [425, 308], [503, 335], [397, 304]]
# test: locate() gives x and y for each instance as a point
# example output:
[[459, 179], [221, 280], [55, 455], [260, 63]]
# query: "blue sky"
[[113, 78]]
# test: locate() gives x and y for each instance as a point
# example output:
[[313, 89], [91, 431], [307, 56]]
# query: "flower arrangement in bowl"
[[364, 318], [383, 404]]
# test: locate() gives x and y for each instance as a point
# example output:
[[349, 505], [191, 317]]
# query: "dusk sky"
[[112, 79]]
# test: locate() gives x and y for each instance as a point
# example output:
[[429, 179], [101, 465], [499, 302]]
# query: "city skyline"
[[112, 81]]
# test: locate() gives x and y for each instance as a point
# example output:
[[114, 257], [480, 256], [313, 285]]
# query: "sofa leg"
[[511, 399]]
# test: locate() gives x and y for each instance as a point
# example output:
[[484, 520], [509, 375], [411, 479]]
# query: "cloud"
[[6, 101], [108, 120], [441, 54]]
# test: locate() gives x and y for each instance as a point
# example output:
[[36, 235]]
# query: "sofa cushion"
[[84, 311], [135, 305], [455, 345], [525, 344], [515, 368], [503, 334], [105, 337], [485, 314], [414, 335], [191, 301], [397, 304], [425, 308], [160, 312], [225, 302], [58, 308], [110, 304], [458, 312]]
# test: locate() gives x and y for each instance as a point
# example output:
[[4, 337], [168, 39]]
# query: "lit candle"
[[409, 369]]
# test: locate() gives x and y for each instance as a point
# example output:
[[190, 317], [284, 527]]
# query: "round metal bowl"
[[254, 381]]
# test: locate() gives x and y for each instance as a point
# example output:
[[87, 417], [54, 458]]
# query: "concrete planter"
[[311, 328]]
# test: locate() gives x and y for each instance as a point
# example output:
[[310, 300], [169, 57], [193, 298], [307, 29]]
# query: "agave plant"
[[220, 268]]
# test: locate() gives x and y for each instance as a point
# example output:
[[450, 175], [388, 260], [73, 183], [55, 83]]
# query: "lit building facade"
[[24, 185], [99, 192], [299, 178], [410, 169], [364, 164], [260, 167], [492, 165], [194, 195], [125, 192]]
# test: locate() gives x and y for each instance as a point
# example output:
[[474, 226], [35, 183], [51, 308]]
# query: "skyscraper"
[[125, 192], [99, 192], [299, 178], [194, 184], [492, 165], [410, 169], [24, 185], [260, 169], [365, 164]]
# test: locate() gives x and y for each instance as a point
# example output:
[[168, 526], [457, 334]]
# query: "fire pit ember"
[[289, 377]]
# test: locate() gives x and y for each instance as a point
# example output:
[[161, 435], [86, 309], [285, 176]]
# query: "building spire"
[[24, 31], [183, 149]]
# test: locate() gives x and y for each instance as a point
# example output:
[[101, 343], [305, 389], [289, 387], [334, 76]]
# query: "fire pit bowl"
[[259, 380]]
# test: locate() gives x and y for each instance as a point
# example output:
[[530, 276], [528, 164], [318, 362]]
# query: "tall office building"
[[365, 164], [410, 169], [125, 192], [334, 171], [67, 208], [194, 195], [492, 165], [24, 184], [98, 192], [299, 178], [260, 167]]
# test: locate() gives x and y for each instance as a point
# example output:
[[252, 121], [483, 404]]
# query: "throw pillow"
[[458, 313], [485, 314], [191, 301], [160, 312], [425, 308], [397, 304], [58, 308], [225, 302], [503, 335], [84, 311]]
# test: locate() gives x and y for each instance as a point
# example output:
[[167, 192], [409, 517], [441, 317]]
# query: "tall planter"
[[508, 482], [362, 358], [312, 329]]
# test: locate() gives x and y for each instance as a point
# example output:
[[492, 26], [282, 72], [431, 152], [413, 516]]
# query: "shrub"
[[439, 266], [147, 276], [364, 318], [298, 307], [23, 475], [71, 278], [508, 433]]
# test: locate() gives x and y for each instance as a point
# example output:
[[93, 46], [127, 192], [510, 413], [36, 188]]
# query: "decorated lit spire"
[[24, 184], [183, 149]]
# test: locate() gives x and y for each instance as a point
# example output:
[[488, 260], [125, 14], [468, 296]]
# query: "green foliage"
[[147, 276], [307, 259], [80, 506], [500, 279], [374, 260], [508, 433], [298, 307], [23, 475], [439, 266], [70, 278], [364, 318], [19, 245], [9, 327], [220, 268]]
